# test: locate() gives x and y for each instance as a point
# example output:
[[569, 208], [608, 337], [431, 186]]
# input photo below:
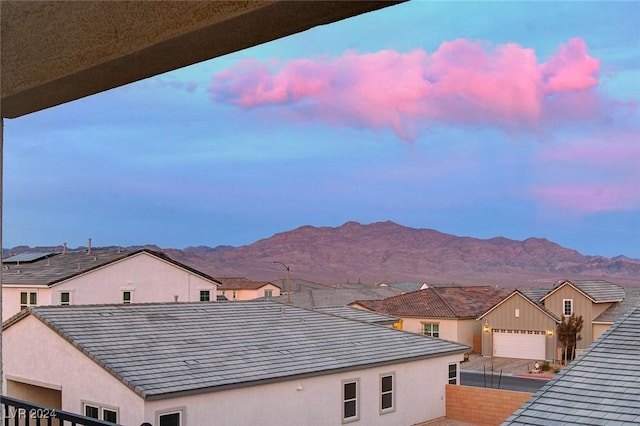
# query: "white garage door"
[[519, 344]]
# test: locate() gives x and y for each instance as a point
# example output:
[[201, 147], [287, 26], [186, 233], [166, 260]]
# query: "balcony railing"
[[21, 413]]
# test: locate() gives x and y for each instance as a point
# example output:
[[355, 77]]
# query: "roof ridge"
[[453, 311]]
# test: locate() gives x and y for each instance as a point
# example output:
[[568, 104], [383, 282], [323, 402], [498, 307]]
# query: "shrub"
[[545, 366]]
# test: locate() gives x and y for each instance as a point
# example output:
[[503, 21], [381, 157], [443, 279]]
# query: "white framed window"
[[431, 329], [567, 307], [268, 294], [205, 295], [350, 408], [28, 299], [387, 393], [174, 417], [65, 298], [100, 412], [127, 297], [453, 374]]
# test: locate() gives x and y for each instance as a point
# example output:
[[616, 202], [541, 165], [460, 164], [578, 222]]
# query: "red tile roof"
[[439, 302]]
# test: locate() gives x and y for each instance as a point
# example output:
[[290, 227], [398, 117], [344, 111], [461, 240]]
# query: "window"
[[173, 418], [28, 299], [65, 298], [350, 401], [453, 374], [96, 411], [387, 403], [126, 297], [567, 307], [205, 296], [268, 294], [431, 329]]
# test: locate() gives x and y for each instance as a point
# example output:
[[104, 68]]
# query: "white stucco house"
[[99, 276], [243, 363]]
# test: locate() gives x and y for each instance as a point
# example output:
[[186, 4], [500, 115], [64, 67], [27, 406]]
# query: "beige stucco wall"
[[149, 278], [599, 329], [420, 396], [448, 327], [250, 294], [419, 387], [32, 353]]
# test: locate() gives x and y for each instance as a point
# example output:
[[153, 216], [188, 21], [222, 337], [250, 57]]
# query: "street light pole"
[[288, 280]]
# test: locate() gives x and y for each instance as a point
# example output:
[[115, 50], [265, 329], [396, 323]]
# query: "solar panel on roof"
[[27, 257]]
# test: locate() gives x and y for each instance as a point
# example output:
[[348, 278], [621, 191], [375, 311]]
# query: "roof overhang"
[[55, 52]]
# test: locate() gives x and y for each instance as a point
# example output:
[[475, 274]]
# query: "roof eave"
[[190, 392]]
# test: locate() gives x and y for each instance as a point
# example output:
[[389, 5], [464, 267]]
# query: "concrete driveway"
[[508, 366]]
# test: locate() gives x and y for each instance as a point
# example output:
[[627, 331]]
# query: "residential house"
[[523, 324], [404, 286], [242, 363], [447, 312], [600, 387], [240, 288], [360, 315], [314, 295], [99, 276]]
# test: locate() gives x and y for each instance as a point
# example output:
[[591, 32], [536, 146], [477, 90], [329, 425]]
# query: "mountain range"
[[389, 252]]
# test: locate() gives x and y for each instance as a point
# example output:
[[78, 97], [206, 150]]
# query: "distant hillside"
[[386, 251]]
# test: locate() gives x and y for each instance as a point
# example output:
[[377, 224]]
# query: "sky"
[[479, 119]]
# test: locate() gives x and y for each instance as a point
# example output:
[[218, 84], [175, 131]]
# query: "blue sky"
[[513, 119]]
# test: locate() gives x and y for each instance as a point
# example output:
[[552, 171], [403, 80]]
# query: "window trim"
[[455, 378], [100, 408], [391, 409], [356, 400], [208, 295], [29, 298], [122, 299], [69, 302], [178, 410], [431, 324], [564, 307]]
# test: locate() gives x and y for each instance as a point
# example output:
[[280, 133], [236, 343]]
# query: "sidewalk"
[[508, 366]]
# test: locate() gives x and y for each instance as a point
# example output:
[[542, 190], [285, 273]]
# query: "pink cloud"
[[591, 198], [462, 82], [591, 174]]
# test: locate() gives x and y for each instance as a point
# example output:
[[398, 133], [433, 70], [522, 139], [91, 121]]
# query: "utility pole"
[[288, 280]]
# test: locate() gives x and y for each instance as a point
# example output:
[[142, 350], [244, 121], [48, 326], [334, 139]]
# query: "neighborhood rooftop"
[[165, 350], [602, 386], [439, 302], [47, 269], [599, 291]]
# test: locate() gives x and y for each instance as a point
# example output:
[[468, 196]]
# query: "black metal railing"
[[22, 413]]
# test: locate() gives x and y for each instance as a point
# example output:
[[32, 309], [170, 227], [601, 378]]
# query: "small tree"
[[569, 334]]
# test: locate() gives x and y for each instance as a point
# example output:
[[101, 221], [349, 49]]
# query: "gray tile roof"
[[166, 350], [615, 311], [599, 291], [602, 386], [359, 314], [54, 268], [336, 296]]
